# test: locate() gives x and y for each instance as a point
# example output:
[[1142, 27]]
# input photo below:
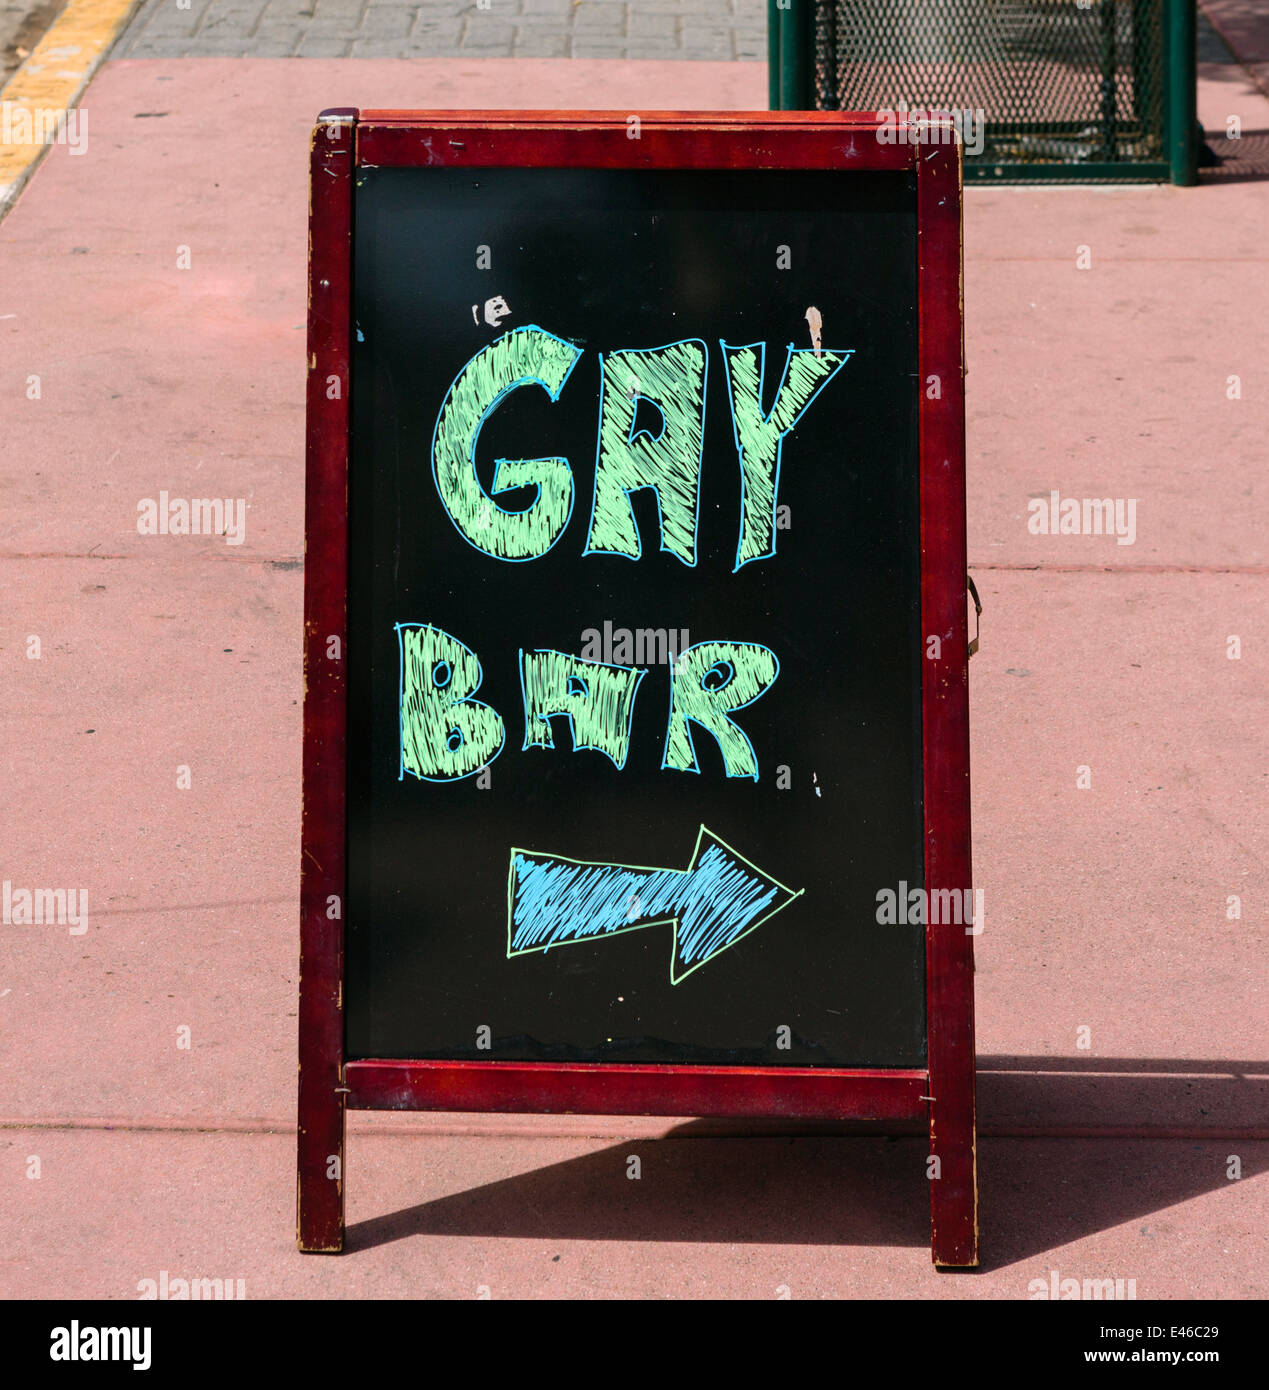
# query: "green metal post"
[[1181, 41], [795, 55], [773, 56]]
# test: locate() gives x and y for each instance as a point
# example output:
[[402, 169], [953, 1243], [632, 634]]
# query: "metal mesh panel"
[[1055, 82]]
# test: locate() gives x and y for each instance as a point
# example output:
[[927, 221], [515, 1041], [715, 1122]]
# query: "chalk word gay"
[[673, 379]]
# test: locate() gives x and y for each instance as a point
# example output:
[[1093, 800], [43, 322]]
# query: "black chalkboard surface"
[[455, 883]]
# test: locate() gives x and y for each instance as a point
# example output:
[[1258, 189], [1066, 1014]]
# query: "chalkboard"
[[829, 803], [636, 736]]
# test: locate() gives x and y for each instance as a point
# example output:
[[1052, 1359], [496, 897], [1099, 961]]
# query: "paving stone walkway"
[[699, 29], [692, 29]]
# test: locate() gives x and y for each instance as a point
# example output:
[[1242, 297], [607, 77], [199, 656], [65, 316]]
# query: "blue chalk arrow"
[[717, 899]]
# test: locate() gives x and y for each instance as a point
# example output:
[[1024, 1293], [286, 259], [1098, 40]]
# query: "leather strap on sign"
[[978, 613]]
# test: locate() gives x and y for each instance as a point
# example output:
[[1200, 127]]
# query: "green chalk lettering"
[[518, 358], [673, 379], [598, 700], [444, 734], [711, 681], [760, 438]]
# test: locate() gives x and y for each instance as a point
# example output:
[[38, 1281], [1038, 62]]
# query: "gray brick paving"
[[452, 28], [719, 29]]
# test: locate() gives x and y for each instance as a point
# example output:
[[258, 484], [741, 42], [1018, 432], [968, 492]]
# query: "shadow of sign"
[[1071, 1146]]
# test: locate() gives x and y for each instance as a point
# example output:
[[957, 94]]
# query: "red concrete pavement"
[[551, 1217], [1106, 908], [1244, 25]]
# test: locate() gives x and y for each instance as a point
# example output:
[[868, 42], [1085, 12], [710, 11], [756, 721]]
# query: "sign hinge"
[[978, 613]]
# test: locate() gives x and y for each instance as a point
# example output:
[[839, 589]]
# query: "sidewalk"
[[1106, 908], [639, 29]]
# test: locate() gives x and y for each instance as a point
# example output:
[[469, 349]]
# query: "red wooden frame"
[[944, 1092]]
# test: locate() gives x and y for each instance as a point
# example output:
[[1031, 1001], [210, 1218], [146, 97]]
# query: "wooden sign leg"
[[320, 1128], [320, 1168], [953, 1159], [953, 1167], [949, 951], [954, 1179], [323, 883]]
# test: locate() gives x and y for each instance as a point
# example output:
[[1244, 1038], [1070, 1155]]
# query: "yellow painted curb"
[[36, 105]]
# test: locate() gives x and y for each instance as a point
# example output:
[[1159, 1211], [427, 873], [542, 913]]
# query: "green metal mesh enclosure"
[[1052, 89]]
